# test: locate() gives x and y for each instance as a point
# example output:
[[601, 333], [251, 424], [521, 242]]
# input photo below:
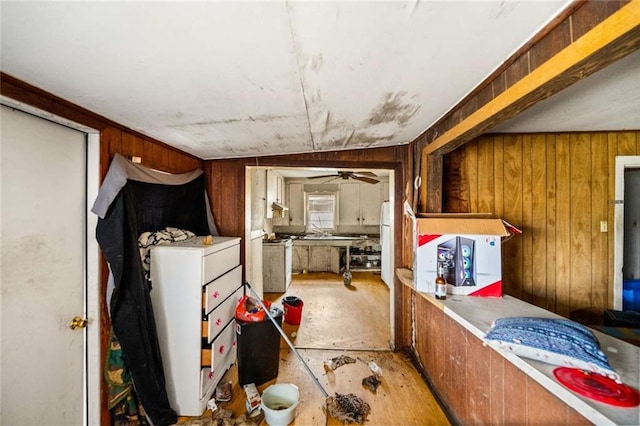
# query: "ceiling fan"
[[362, 176]]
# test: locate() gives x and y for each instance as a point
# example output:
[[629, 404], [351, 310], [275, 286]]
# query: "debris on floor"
[[347, 408], [212, 405], [339, 361], [371, 382], [253, 397], [375, 369], [224, 417], [223, 392], [347, 277]]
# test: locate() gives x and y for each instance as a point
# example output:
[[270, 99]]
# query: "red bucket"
[[292, 310]]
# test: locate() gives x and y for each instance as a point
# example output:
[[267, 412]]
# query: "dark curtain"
[[141, 207]]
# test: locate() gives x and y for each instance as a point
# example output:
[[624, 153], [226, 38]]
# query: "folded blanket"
[[146, 240]]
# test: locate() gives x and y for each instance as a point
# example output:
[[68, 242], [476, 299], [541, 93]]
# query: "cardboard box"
[[470, 250]]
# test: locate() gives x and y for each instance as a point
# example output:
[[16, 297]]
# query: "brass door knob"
[[77, 322]]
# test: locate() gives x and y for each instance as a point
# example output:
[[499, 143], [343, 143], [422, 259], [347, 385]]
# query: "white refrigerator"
[[386, 242]]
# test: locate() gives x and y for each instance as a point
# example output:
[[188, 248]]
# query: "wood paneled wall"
[[557, 188], [153, 154], [476, 384]]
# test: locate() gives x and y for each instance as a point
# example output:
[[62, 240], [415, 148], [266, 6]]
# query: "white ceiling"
[[607, 100], [235, 79]]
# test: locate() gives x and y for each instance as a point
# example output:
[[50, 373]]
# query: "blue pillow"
[[553, 341]]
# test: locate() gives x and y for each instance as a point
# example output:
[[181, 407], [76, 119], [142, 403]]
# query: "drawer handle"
[[210, 375], [215, 294], [221, 350], [218, 321]]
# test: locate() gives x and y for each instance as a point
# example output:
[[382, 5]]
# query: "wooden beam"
[[612, 39], [433, 168]]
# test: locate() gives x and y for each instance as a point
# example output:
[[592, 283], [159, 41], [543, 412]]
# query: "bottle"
[[441, 283]]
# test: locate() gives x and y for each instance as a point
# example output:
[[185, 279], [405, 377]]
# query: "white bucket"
[[279, 403]]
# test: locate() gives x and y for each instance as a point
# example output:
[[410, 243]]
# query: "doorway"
[[266, 186], [49, 269], [627, 230]]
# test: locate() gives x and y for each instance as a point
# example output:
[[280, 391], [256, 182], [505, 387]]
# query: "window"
[[321, 211]]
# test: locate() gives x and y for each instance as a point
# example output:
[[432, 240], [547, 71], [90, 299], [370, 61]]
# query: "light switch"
[[604, 226]]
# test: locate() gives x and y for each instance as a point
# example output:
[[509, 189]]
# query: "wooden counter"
[[480, 384]]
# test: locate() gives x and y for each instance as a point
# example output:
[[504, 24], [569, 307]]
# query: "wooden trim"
[[612, 39], [617, 35], [226, 183]]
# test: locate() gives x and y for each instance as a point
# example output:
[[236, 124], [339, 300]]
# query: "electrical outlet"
[[604, 226]]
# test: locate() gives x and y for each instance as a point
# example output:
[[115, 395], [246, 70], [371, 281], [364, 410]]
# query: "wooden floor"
[[338, 321], [335, 316]]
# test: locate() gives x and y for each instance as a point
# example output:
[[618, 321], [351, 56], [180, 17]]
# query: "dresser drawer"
[[206, 380], [219, 262], [221, 288], [219, 317], [223, 346]]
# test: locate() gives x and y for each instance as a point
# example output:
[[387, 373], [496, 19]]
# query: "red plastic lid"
[[597, 387]]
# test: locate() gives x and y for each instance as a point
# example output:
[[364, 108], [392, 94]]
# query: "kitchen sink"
[[328, 237]]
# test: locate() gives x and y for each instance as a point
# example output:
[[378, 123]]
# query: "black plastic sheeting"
[[141, 207]]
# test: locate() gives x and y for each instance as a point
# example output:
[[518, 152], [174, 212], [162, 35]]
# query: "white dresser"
[[195, 290]]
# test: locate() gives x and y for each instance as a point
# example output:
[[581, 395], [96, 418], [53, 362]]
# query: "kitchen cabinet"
[[300, 258], [316, 257], [280, 190], [196, 288], [277, 266], [275, 194], [359, 204], [296, 204], [319, 258]]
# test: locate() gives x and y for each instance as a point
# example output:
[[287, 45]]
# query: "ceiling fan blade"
[[320, 177], [369, 174], [331, 180], [365, 179]]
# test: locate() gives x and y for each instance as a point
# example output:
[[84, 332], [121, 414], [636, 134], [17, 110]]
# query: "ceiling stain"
[[393, 109], [315, 62], [261, 118], [364, 139]]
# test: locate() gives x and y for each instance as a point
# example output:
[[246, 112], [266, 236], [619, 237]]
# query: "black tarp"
[[141, 207]]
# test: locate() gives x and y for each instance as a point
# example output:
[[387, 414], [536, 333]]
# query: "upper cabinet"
[[275, 194], [280, 190], [296, 204], [359, 204]]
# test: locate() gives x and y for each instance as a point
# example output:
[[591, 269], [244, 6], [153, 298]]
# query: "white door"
[[624, 165], [43, 191]]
